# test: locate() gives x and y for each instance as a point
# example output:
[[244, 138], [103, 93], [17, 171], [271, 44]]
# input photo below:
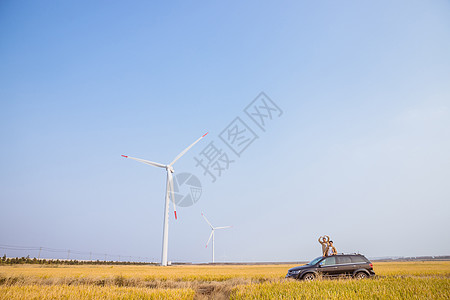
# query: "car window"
[[344, 260], [358, 259], [329, 261], [315, 261]]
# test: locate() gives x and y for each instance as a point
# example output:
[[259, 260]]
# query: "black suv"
[[355, 265]]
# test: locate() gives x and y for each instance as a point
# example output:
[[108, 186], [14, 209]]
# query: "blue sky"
[[361, 151]]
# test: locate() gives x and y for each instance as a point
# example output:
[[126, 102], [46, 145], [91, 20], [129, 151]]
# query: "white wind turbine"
[[212, 234], [169, 194]]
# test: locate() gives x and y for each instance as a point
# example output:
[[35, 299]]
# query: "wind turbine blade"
[[145, 161], [186, 150], [210, 236], [223, 227], [172, 194], [207, 221]]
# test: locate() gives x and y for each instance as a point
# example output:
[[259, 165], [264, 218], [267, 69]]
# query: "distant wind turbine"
[[169, 194], [212, 234]]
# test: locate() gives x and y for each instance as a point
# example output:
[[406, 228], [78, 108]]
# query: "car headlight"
[[294, 272]]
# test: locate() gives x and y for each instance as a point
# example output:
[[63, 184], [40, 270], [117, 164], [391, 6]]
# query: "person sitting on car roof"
[[331, 250]]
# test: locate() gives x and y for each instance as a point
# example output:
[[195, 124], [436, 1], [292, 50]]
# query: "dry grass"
[[381, 288], [218, 282], [413, 268], [148, 273], [19, 292]]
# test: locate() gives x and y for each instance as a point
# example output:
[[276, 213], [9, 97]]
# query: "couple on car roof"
[[327, 246]]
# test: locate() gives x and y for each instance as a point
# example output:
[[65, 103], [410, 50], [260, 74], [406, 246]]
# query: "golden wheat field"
[[395, 280]]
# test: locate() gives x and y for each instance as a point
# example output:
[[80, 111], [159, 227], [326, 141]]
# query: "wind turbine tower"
[[169, 194], [213, 229]]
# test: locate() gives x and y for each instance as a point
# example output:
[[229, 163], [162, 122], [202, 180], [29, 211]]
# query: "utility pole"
[[68, 254], [90, 255], [40, 249]]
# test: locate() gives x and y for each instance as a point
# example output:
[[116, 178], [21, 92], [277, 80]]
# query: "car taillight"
[[371, 265]]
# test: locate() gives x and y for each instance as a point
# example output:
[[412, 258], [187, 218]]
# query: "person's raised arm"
[[327, 238]]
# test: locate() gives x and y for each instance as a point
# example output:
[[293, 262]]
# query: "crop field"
[[395, 280]]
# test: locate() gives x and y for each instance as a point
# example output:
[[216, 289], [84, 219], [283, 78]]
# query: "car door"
[[360, 262], [327, 267], [345, 265]]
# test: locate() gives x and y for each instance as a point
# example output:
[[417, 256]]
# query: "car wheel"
[[361, 275], [309, 276]]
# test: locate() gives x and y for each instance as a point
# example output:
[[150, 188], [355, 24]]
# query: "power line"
[[69, 251]]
